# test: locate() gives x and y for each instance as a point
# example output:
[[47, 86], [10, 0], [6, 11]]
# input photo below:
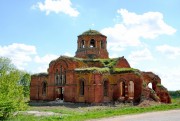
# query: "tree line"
[[175, 93]]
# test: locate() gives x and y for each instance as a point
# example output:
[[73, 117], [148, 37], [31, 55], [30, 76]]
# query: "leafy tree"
[[11, 93], [178, 92], [25, 82]]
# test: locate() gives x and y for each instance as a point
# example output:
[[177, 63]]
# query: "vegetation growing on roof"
[[108, 62], [161, 86], [92, 69], [106, 69], [144, 84], [71, 58], [91, 32], [124, 70]]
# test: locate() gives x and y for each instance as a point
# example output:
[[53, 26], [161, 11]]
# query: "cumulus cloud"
[[45, 59], [135, 27], [170, 51], [68, 54], [49, 57], [114, 55], [142, 55], [43, 62], [20, 54], [25, 57], [169, 77], [57, 6]]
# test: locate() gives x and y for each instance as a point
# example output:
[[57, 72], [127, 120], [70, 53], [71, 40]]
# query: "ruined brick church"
[[92, 77]]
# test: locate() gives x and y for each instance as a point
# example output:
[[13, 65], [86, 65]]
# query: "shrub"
[[11, 92]]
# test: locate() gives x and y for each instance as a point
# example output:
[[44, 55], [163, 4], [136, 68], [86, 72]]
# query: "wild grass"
[[93, 69], [93, 112]]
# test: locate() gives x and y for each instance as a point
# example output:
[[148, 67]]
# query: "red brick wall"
[[36, 88], [94, 90], [127, 77], [97, 51], [93, 87], [122, 63]]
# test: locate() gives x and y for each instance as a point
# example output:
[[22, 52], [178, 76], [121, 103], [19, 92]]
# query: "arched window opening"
[[105, 88], [150, 85], [62, 75], [92, 43], [81, 88], [64, 82], [82, 44], [102, 44], [44, 88], [122, 89], [57, 77], [131, 89]]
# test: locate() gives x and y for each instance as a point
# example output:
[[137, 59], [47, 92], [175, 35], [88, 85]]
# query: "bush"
[[11, 92], [25, 83]]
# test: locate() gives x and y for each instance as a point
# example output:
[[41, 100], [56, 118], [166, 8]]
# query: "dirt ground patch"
[[38, 113], [147, 103]]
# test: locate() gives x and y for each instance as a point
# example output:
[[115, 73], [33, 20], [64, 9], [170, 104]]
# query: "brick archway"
[[122, 88], [82, 87], [106, 87], [131, 90]]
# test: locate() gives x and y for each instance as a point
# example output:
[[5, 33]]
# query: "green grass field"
[[92, 112]]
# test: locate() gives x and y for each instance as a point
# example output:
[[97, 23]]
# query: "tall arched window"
[[57, 77], [92, 43], [131, 89], [82, 44], [62, 75], [102, 44], [122, 89], [150, 85], [44, 88], [105, 88], [81, 91]]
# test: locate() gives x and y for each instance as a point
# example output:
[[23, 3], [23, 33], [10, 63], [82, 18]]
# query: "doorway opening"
[[61, 93]]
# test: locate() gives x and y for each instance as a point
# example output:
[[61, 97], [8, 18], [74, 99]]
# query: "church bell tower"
[[92, 45]]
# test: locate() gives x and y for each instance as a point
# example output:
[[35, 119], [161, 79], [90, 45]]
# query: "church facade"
[[92, 77]]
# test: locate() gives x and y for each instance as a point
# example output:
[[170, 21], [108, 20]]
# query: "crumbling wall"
[[157, 89]]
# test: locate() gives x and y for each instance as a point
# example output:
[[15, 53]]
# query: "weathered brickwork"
[[92, 77]]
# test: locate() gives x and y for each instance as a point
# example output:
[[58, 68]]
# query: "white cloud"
[[42, 68], [169, 51], [24, 56], [20, 54], [43, 62], [134, 27], [68, 54], [57, 6], [142, 55], [114, 55], [169, 77], [45, 59]]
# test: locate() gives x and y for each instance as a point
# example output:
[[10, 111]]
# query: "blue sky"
[[34, 32]]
